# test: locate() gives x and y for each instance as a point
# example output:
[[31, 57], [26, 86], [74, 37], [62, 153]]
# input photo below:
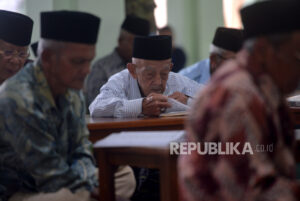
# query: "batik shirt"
[[101, 71], [44, 143], [240, 105], [121, 96]]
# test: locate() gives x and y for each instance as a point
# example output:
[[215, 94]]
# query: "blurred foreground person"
[[244, 104]]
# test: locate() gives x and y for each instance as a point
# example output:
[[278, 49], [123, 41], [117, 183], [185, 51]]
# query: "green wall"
[[194, 21], [112, 13]]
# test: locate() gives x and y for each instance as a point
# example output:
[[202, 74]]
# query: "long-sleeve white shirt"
[[121, 97]]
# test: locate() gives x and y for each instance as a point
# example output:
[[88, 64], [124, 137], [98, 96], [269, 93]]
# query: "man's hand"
[[179, 97], [154, 104], [95, 193]]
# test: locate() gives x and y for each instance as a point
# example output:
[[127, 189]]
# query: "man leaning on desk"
[[146, 87]]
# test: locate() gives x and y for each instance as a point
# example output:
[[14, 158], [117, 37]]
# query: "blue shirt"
[[199, 71]]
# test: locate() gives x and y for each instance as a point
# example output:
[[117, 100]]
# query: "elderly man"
[[117, 60], [15, 36], [45, 151], [226, 43], [147, 87], [244, 106]]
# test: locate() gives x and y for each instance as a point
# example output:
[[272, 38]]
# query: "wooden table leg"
[[106, 178], [168, 180]]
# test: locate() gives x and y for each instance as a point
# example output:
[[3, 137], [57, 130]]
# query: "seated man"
[[178, 55], [144, 88], [244, 106], [116, 61], [226, 43], [15, 36], [45, 151]]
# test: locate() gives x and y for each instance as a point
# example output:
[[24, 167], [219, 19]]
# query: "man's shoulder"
[[112, 59], [123, 75], [18, 89], [196, 70], [181, 79]]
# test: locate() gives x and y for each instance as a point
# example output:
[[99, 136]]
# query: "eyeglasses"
[[8, 54]]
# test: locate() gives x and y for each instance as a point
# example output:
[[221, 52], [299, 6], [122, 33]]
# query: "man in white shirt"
[[147, 86]]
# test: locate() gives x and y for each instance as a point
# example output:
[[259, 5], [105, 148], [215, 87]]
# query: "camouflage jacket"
[[44, 144]]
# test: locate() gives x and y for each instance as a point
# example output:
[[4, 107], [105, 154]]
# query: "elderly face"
[[217, 59], [72, 65], [12, 59], [283, 63], [125, 45], [151, 75]]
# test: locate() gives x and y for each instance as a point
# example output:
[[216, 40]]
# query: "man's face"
[[73, 65], [216, 59], [151, 75], [12, 59], [284, 65], [125, 46]]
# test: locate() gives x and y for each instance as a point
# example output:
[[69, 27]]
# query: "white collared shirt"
[[121, 97]]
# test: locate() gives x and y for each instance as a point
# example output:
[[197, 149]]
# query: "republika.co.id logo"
[[217, 148]]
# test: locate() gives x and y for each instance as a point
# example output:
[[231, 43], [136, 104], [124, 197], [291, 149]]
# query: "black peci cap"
[[271, 17], [15, 28], [228, 39], [136, 25], [152, 47], [70, 26]]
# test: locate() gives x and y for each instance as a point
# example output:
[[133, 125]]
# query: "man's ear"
[[213, 62], [171, 66], [47, 58], [132, 70]]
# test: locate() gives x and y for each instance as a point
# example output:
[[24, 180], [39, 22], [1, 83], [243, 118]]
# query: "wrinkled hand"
[[154, 104], [179, 97]]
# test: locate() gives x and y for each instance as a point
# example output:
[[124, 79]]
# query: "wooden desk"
[[109, 158], [101, 127]]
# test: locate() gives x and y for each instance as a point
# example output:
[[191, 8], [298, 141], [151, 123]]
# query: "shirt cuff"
[[134, 107]]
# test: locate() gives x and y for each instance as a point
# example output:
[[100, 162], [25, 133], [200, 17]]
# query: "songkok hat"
[[15, 28], [152, 47], [228, 39], [271, 17], [34, 47], [70, 26], [136, 25]]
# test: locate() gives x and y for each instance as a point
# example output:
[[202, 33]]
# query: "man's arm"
[[114, 103]]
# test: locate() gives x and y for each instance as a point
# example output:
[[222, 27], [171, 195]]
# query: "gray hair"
[[48, 44], [216, 50]]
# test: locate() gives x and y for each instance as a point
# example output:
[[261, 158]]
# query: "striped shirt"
[[121, 97]]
